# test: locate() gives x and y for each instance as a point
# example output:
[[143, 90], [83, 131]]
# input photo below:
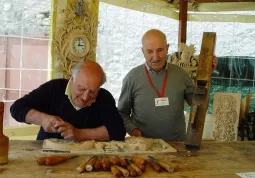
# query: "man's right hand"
[[48, 123], [45, 120], [136, 132]]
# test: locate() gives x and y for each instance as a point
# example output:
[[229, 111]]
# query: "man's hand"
[[214, 63], [67, 130], [136, 132], [48, 123]]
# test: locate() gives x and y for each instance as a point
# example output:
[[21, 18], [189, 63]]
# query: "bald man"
[[152, 96], [75, 109]]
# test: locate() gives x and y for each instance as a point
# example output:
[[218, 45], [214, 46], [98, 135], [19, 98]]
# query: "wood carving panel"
[[185, 59], [226, 109], [75, 23]]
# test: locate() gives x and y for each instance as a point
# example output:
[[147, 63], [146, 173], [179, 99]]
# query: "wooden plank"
[[201, 94], [183, 22]]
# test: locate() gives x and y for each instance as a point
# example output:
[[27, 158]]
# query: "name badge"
[[161, 101]]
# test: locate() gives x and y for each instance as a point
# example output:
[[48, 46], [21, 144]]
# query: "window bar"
[[21, 52], [5, 58], [253, 80], [232, 78], [26, 69], [231, 70], [13, 89], [4, 49], [26, 37]]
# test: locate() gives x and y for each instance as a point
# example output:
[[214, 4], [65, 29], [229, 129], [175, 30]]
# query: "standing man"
[[76, 109], [152, 96]]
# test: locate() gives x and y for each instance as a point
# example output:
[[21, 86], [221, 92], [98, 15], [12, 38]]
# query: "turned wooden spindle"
[[4, 141]]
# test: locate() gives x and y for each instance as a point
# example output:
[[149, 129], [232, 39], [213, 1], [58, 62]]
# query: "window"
[[236, 55], [119, 47], [120, 33], [24, 46]]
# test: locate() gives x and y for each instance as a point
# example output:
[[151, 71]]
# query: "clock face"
[[79, 45]]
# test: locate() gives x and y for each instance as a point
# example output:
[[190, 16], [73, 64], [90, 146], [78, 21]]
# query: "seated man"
[[76, 109], [152, 96]]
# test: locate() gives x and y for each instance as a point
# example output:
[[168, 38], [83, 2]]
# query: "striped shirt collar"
[[152, 71]]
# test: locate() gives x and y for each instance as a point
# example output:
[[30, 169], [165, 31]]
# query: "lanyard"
[[160, 95]]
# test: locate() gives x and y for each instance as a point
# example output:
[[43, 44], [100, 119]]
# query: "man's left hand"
[[214, 63], [67, 130]]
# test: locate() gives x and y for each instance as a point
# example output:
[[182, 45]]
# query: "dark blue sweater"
[[50, 98]]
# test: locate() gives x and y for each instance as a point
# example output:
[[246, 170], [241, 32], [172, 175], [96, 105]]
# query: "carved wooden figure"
[[201, 92], [185, 59], [4, 141], [226, 109]]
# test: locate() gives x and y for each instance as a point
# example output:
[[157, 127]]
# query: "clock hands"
[[80, 43]]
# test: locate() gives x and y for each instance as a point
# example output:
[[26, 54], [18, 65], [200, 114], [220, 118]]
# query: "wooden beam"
[[4, 141], [201, 92], [183, 21], [218, 1]]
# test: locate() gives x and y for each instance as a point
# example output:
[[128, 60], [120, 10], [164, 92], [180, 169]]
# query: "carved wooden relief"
[[75, 36], [226, 109], [185, 59]]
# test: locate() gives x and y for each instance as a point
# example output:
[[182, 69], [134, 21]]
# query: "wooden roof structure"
[[183, 12], [193, 10]]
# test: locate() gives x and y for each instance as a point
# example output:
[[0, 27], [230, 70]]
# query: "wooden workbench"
[[214, 159]]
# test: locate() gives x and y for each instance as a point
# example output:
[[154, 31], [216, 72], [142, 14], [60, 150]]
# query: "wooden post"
[[183, 21], [201, 93], [4, 141]]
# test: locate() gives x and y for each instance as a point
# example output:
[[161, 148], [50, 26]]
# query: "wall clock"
[[79, 44]]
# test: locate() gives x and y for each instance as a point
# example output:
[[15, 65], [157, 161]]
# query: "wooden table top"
[[214, 159]]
